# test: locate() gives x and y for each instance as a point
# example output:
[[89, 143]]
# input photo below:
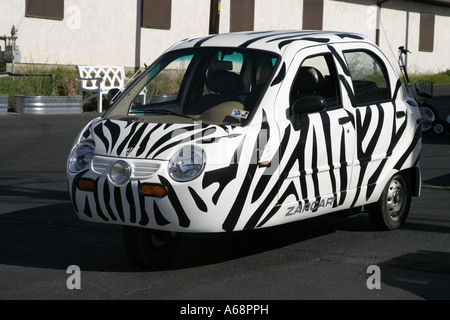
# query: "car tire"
[[440, 128], [429, 115], [392, 209], [148, 247]]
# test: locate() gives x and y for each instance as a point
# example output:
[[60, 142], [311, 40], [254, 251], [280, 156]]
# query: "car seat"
[[224, 85]]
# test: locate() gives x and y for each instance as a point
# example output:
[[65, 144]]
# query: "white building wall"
[[100, 32], [399, 25], [224, 22], [355, 16], [278, 15], [393, 26], [443, 45], [189, 19], [103, 32]]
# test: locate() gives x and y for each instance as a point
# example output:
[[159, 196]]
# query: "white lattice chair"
[[99, 80]]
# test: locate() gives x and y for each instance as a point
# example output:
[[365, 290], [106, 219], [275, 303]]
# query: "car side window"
[[369, 77], [317, 75]]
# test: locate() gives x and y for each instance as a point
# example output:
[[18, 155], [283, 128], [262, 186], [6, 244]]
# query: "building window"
[[426, 34], [242, 15], [312, 14], [46, 9], [156, 14], [214, 17]]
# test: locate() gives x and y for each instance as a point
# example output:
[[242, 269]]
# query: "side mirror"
[[309, 104], [113, 93]]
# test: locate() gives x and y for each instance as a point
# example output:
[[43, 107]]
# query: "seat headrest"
[[308, 80], [224, 82]]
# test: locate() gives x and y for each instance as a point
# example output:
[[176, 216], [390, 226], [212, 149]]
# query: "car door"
[[379, 120], [317, 158]]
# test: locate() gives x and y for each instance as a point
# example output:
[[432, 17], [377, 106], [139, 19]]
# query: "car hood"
[[158, 141]]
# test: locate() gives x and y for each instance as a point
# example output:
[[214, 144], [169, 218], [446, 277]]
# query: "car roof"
[[275, 41]]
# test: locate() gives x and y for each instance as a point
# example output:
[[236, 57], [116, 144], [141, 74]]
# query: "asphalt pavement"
[[440, 100], [329, 257]]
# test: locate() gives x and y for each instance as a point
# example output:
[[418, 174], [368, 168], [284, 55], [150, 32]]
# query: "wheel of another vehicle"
[[429, 115], [148, 247], [440, 128], [391, 211]]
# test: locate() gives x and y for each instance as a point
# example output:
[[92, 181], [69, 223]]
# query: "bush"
[[442, 78], [65, 83]]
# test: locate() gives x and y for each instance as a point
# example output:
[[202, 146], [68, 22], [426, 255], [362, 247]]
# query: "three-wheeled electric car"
[[249, 130]]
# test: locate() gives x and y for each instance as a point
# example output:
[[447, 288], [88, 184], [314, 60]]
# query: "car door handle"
[[344, 120], [400, 114]]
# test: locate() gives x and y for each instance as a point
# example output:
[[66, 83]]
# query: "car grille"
[[140, 168]]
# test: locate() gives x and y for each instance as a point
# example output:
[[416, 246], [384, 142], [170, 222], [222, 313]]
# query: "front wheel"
[[148, 247], [391, 211]]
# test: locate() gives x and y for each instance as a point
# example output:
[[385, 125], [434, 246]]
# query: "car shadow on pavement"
[[441, 182], [52, 237], [431, 139], [423, 273]]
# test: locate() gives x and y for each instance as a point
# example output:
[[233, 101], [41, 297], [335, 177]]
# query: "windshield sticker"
[[240, 113]]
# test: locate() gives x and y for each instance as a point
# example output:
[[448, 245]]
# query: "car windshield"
[[211, 85]]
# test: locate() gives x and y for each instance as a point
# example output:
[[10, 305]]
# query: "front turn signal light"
[[86, 184], [153, 190]]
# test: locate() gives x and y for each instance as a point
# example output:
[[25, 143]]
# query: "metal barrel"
[[48, 104], [3, 105]]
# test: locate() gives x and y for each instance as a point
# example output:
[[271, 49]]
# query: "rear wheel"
[[148, 247], [391, 211]]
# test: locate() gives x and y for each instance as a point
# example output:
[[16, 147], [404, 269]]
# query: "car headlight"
[[81, 156], [187, 164], [120, 172]]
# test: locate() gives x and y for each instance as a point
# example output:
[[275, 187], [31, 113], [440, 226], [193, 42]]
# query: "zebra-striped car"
[[249, 130]]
